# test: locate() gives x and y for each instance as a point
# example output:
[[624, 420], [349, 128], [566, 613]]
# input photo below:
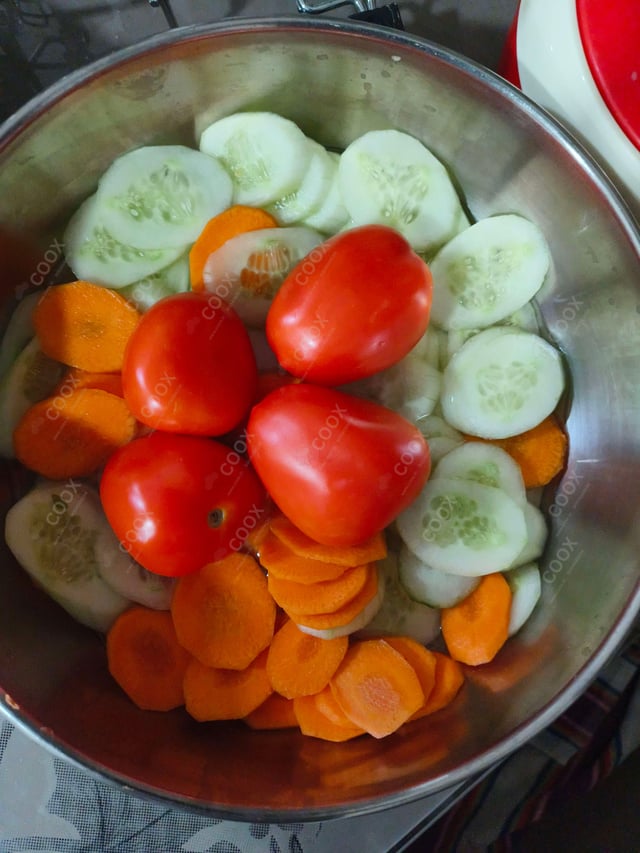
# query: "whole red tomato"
[[354, 306], [189, 366], [178, 502], [339, 467]]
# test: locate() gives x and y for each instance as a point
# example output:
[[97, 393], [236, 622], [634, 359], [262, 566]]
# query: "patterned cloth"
[[70, 812], [567, 759]]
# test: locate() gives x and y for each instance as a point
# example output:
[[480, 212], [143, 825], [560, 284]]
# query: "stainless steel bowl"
[[338, 80]]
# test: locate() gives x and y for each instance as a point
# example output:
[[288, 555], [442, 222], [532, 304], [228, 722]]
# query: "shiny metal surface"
[[337, 80], [328, 5]]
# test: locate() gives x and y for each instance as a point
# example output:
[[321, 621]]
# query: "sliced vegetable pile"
[[286, 422]]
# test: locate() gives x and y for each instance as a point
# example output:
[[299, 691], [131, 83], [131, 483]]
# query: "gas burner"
[[42, 40]]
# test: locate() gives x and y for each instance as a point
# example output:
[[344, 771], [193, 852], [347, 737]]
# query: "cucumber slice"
[[312, 191], [430, 586], [525, 318], [166, 282], [441, 437], [537, 532], [463, 528], [487, 272], [501, 382], [266, 155], [247, 270], [433, 426], [162, 195], [94, 255], [455, 339], [132, 581], [429, 347], [32, 377], [440, 445], [60, 537], [390, 178], [19, 331], [526, 589], [400, 614], [410, 387], [332, 215], [487, 464], [357, 623]]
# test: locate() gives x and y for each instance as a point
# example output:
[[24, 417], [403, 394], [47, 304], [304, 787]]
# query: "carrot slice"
[[422, 660], [357, 555], [476, 628], [256, 537], [224, 614], [74, 379], [327, 703], [314, 723], [145, 658], [283, 563], [233, 221], [540, 452], [449, 678], [276, 712], [211, 693], [84, 325], [299, 664], [321, 597], [72, 436], [343, 615], [376, 687]]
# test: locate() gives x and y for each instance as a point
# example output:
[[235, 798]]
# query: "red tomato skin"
[[354, 306], [189, 367], [340, 468], [159, 493]]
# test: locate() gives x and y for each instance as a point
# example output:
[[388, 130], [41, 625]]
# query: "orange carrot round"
[[315, 723], [256, 537], [321, 597], [211, 693], [367, 552], [476, 628], [224, 614], [448, 679], [74, 379], [233, 221], [276, 712], [146, 660], [347, 613], [72, 436], [376, 687], [328, 705], [299, 664], [84, 325], [423, 662], [540, 452], [283, 563]]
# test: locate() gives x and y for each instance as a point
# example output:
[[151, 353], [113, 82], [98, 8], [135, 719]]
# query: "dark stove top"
[[41, 40]]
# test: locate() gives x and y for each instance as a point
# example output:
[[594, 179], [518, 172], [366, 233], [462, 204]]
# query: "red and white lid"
[[610, 34], [580, 59]]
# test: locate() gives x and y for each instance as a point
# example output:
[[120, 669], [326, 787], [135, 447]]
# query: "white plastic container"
[[580, 60]]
